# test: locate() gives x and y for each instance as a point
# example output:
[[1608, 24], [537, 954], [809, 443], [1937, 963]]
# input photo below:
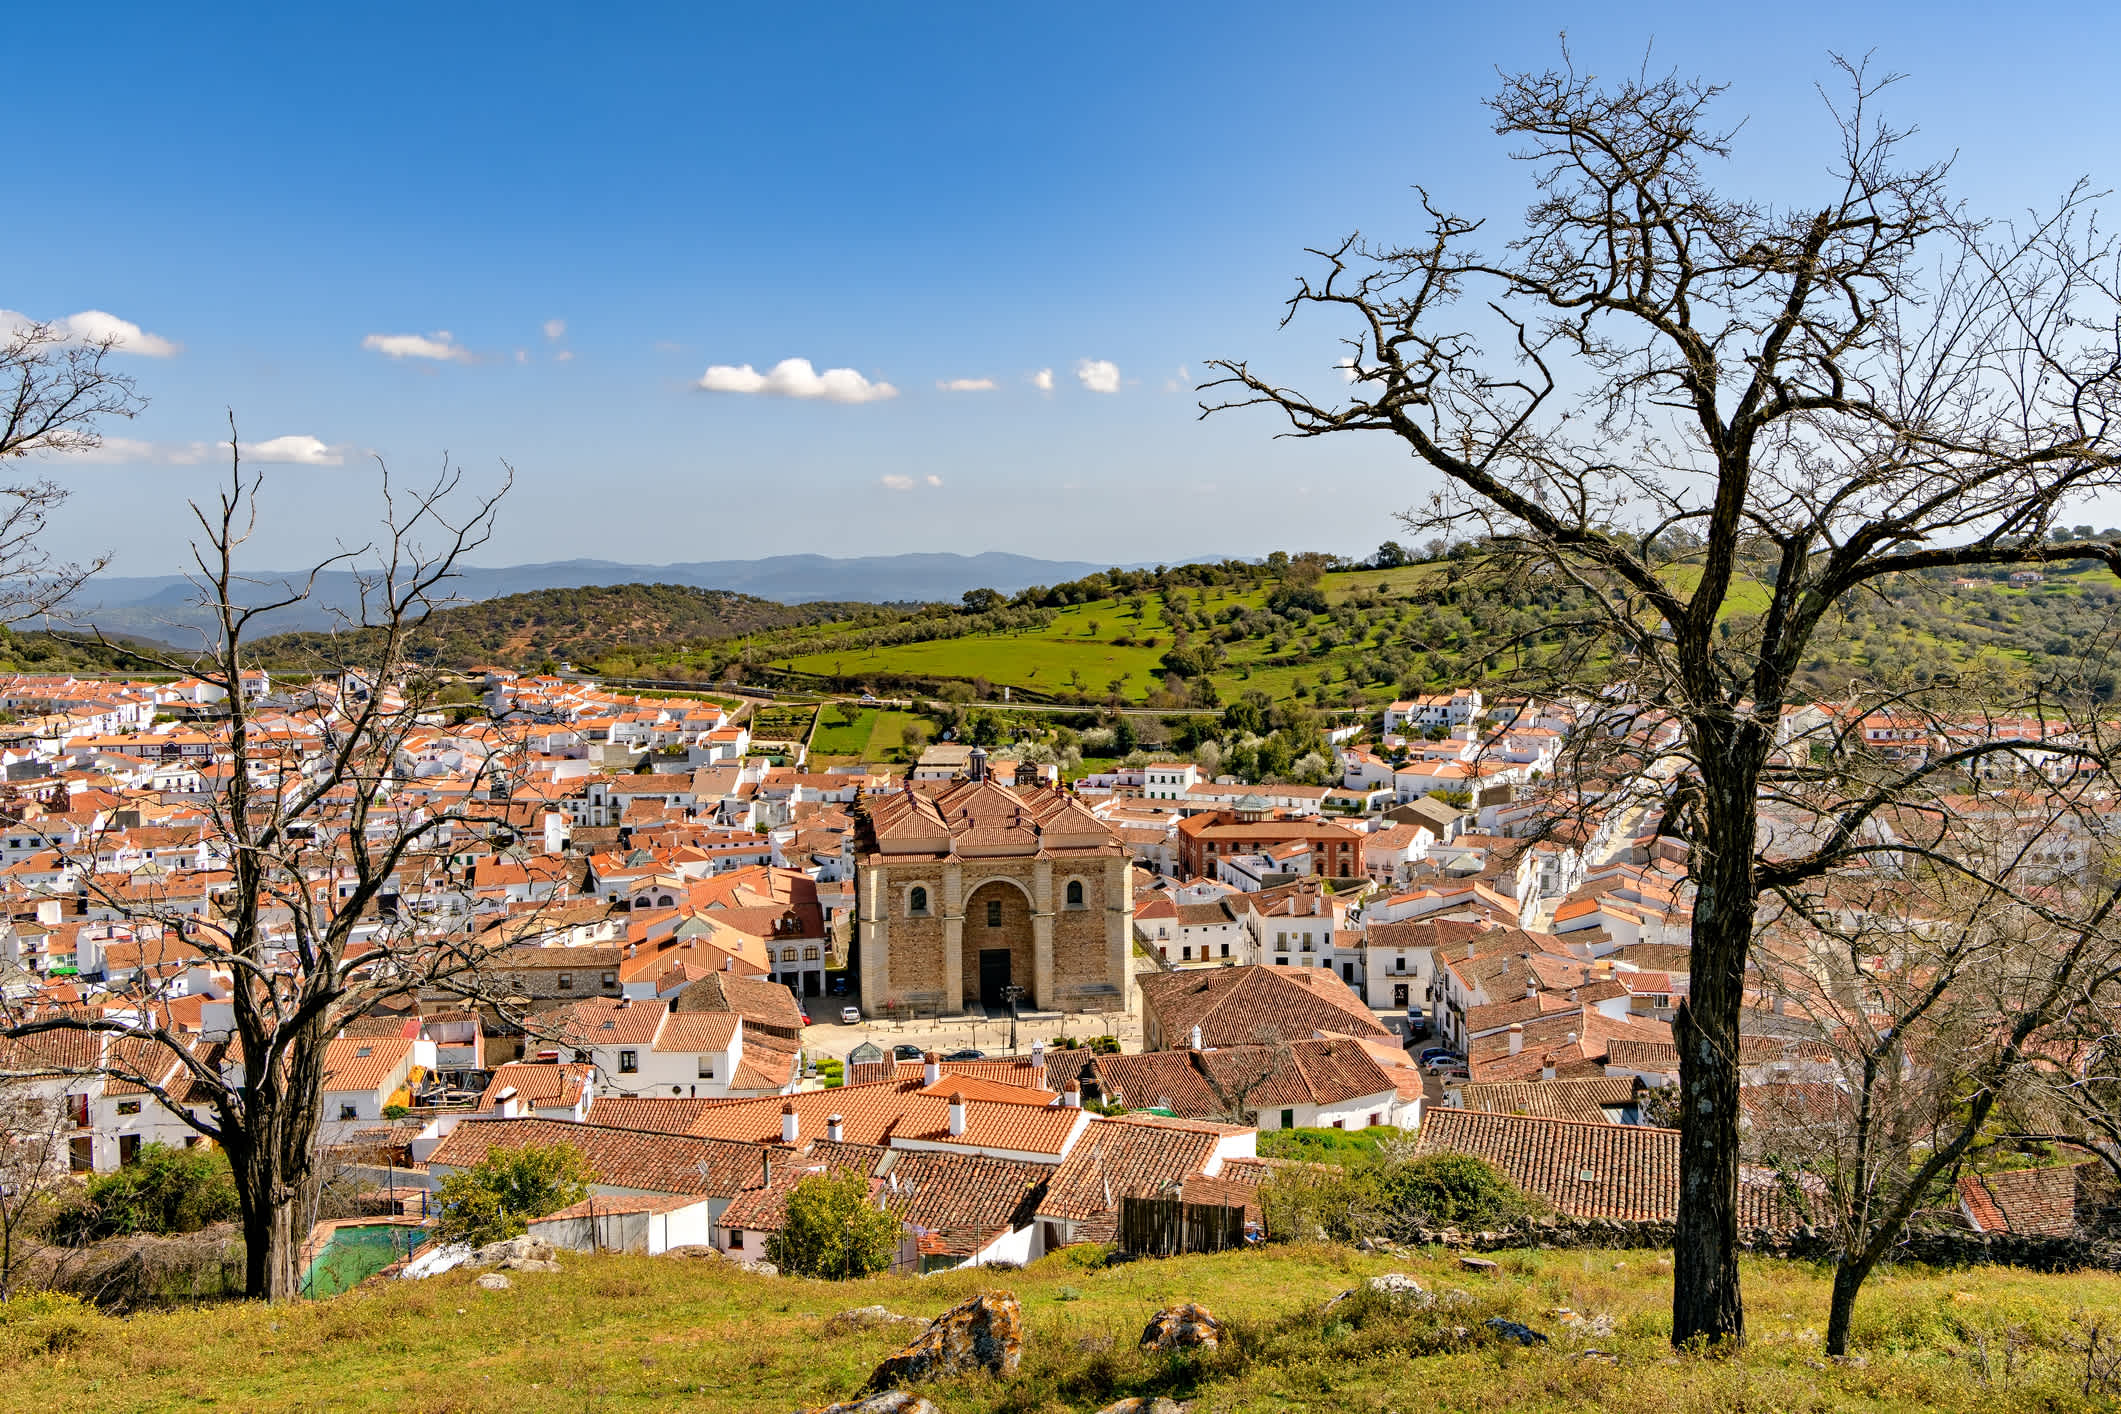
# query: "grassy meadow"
[[617, 1333]]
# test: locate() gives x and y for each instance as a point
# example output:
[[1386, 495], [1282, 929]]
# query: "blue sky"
[[596, 205]]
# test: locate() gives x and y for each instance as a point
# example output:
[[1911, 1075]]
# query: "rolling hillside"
[[560, 625], [1360, 637]]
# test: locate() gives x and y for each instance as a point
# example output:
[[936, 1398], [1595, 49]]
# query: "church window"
[[994, 913], [1075, 893], [917, 901]]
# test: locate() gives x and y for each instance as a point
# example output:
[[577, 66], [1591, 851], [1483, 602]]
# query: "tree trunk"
[[1849, 1273], [278, 1203], [1706, 1305]]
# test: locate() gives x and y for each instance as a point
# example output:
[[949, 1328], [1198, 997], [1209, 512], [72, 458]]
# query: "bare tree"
[[33, 1164], [1714, 420], [57, 391], [1936, 995], [339, 900]]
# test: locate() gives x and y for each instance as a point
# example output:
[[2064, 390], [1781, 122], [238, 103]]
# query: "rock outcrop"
[[984, 1333], [1187, 1326]]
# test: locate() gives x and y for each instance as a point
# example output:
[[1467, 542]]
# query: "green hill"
[[610, 1333], [596, 622], [1199, 635]]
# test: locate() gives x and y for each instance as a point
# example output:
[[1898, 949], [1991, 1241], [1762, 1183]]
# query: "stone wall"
[[1941, 1247]]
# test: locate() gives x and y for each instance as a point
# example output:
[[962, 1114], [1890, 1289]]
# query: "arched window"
[[1075, 893], [917, 900], [994, 913]]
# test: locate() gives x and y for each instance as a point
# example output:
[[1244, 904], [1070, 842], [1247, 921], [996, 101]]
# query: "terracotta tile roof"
[[758, 1001], [545, 1086], [1629, 1172], [1586, 1099], [604, 1021], [622, 1158], [363, 1062], [1241, 1005], [698, 1031], [965, 1200], [1113, 1160], [1157, 1079], [2044, 1202]]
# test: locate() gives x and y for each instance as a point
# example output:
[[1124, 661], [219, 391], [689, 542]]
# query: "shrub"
[[1453, 1190], [496, 1197], [831, 1229], [163, 1190]]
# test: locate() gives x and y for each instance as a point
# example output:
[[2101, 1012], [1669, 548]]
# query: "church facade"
[[971, 887]]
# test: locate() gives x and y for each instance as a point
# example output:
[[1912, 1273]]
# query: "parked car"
[[838, 985], [1429, 1053], [1439, 1064], [967, 1054], [849, 1015], [905, 1052]]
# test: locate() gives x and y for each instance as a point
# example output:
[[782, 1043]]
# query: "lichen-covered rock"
[[493, 1281], [1478, 1264], [1395, 1287], [516, 1249], [984, 1333], [890, 1401], [529, 1264], [1187, 1326], [1514, 1330], [1142, 1404]]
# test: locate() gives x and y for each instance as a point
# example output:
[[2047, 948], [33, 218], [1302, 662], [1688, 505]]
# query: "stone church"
[[974, 886]]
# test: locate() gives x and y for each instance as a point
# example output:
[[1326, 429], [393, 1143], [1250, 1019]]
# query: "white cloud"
[[1099, 375], [907, 483], [564, 356], [94, 326], [555, 328], [522, 355], [795, 378], [132, 451], [293, 451], [438, 345], [965, 385], [1043, 380], [1182, 381]]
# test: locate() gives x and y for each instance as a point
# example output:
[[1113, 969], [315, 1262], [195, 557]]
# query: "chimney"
[[931, 1069], [508, 1104], [976, 764], [1531, 989], [832, 1128], [766, 1166], [791, 1127], [1196, 1038], [1469, 952], [1072, 1096], [1516, 1038], [1546, 1066], [1038, 1053], [957, 1112]]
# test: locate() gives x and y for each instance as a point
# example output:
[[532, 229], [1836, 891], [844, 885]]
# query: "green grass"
[[834, 739], [1328, 1146], [638, 1333]]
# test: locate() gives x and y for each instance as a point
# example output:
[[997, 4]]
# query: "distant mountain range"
[[160, 607]]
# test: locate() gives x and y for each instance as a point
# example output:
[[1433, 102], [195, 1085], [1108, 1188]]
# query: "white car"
[[850, 1015]]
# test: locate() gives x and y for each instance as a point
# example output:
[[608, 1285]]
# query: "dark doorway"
[[813, 984], [993, 975], [1399, 994], [1347, 973]]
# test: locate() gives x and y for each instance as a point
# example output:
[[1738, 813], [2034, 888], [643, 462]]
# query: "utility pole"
[[1010, 993]]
